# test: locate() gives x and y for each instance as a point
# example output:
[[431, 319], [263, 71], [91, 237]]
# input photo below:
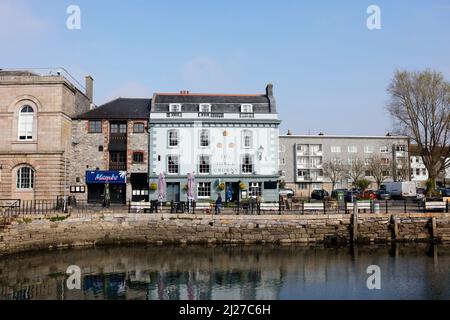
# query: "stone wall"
[[89, 230]]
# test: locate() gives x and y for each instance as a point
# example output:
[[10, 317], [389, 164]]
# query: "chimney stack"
[[269, 90], [89, 88], [289, 133]]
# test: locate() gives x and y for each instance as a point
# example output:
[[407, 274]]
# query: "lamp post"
[[260, 152]]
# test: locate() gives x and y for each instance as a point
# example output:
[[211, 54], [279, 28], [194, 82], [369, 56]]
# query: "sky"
[[330, 72]]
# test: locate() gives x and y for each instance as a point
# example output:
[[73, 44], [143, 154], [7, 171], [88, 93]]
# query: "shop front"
[[114, 181]]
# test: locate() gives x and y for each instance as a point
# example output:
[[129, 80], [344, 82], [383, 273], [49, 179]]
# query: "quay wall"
[[111, 229]]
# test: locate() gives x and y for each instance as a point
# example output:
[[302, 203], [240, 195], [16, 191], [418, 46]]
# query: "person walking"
[[219, 203]]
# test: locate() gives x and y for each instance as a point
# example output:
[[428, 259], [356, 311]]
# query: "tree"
[[420, 107], [333, 170], [378, 167], [402, 167], [356, 170], [363, 184]]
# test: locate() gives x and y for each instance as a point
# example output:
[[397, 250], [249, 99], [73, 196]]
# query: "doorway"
[[234, 188], [173, 191]]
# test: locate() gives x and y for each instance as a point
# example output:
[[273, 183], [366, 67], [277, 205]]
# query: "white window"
[[255, 189], [368, 149], [204, 138], [424, 172], [302, 173], [25, 178], [384, 149], [204, 108], [246, 108], [204, 189], [204, 166], [316, 186], [315, 162], [335, 149], [401, 148], [315, 149], [303, 186], [26, 117], [418, 172], [282, 148], [175, 107], [302, 148], [247, 164], [352, 149], [247, 138], [173, 138], [173, 164], [385, 161], [303, 161], [367, 161]]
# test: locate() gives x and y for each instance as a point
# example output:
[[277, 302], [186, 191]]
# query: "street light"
[[260, 152]]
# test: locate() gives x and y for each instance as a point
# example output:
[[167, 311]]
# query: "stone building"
[[36, 111], [110, 149], [302, 159], [229, 142]]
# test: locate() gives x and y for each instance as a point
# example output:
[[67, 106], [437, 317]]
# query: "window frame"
[[138, 124], [255, 187], [138, 153], [170, 139], [201, 136], [336, 149], [352, 149], [175, 107], [20, 177], [26, 119], [204, 190], [203, 166], [250, 165], [247, 134], [244, 106], [175, 158], [207, 105]]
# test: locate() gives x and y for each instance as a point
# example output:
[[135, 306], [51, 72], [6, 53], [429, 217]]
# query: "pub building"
[[228, 141], [110, 150]]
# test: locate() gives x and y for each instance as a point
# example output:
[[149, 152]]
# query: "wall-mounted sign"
[[102, 177], [77, 189]]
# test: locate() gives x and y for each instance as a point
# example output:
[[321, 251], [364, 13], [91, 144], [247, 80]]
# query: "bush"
[[363, 184]]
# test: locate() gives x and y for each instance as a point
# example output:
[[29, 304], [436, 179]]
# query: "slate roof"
[[121, 108], [221, 103]]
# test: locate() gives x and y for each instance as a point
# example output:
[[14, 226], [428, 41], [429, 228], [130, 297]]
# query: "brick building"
[[36, 111], [110, 149]]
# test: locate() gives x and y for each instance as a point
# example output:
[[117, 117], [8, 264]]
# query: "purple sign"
[[102, 177]]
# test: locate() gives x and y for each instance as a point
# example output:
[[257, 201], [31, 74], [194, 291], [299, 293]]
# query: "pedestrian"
[[219, 203], [229, 194]]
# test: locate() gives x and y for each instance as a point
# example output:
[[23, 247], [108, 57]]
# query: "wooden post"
[[433, 228], [394, 221], [404, 202], [355, 222]]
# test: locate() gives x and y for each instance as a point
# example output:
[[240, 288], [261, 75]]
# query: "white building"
[[230, 142]]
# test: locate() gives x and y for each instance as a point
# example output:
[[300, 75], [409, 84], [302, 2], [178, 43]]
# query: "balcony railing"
[[117, 166], [247, 115], [210, 115], [174, 114]]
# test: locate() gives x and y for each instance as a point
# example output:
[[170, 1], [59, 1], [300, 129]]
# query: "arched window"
[[247, 139], [25, 178], [26, 117]]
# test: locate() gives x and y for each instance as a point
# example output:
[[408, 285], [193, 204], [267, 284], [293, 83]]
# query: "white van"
[[404, 189]]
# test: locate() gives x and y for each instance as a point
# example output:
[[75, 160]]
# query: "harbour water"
[[407, 271]]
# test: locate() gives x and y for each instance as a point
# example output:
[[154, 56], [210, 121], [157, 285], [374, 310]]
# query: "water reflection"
[[260, 273]]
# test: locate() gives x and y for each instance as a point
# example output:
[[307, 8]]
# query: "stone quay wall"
[[106, 229]]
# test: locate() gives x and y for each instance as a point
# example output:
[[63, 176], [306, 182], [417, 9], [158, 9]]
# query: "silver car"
[[287, 192]]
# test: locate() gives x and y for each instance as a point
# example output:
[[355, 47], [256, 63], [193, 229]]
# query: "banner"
[[102, 177]]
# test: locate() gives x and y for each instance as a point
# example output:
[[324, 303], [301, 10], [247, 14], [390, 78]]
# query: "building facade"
[[419, 173], [302, 159], [229, 142], [110, 151], [36, 111]]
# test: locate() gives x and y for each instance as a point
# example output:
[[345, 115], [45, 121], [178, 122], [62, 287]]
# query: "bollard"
[[433, 228], [355, 223]]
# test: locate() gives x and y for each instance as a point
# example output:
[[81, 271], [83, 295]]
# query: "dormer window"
[[246, 108], [204, 108], [175, 107]]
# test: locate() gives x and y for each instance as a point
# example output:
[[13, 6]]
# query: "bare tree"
[[333, 170], [378, 168], [420, 107], [402, 167], [356, 170]]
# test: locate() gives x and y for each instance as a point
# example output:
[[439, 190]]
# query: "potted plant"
[[153, 186], [221, 186], [242, 186], [185, 188]]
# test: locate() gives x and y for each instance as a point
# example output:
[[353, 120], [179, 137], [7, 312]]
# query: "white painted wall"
[[225, 151]]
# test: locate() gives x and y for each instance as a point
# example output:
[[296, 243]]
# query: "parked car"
[[383, 195], [335, 192], [352, 195], [319, 194], [287, 192], [445, 192], [369, 195], [420, 193]]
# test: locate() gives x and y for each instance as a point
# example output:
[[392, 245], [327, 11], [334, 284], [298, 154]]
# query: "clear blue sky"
[[329, 71]]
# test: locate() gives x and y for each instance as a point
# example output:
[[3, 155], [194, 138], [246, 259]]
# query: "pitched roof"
[[121, 108], [226, 103]]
